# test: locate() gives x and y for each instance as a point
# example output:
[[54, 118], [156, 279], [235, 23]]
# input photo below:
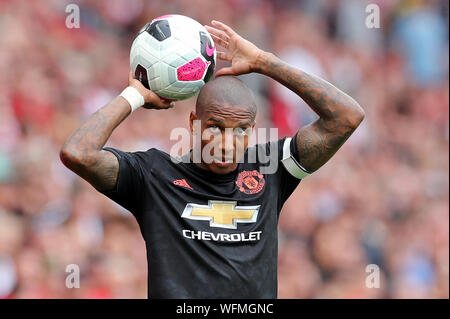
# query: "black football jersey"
[[207, 235]]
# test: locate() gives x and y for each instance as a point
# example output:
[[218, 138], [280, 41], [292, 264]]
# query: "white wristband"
[[133, 97]]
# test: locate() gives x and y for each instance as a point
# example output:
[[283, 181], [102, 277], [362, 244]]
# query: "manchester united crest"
[[250, 182]]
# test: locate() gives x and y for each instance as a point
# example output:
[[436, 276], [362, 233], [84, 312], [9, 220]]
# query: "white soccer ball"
[[174, 56]]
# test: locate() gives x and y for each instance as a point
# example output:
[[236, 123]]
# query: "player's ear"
[[192, 118]]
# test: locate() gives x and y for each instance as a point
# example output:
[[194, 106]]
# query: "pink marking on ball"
[[193, 70]]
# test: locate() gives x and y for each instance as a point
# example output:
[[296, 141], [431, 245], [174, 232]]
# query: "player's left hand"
[[242, 54]]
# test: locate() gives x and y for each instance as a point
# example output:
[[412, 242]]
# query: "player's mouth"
[[223, 163]]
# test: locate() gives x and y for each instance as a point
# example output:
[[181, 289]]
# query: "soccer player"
[[210, 227]]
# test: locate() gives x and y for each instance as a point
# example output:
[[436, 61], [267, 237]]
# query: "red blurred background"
[[382, 199]]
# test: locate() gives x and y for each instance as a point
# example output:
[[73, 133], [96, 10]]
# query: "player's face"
[[225, 134]]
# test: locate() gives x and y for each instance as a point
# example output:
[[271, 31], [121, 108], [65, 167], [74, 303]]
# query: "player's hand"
[[242, 54], [152, 100]]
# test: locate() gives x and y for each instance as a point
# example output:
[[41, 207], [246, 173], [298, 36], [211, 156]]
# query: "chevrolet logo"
[[224, 214]]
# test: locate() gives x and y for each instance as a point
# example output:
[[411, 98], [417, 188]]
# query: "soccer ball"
[[174, 56]]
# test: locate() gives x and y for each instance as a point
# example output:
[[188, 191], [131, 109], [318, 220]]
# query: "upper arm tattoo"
[[339, 114], [103, 171], [319, 141], [83, 150]]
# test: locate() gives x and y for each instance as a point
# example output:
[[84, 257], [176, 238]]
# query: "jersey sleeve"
[[130, 181], [289, 172]]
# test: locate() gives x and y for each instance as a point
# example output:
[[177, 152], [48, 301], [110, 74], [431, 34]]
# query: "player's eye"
[[240, 131], [214, 129]]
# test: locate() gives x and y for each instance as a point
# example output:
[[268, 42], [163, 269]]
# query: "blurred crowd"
[[382, 200]]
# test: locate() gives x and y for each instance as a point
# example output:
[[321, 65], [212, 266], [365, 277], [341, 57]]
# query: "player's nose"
[[228, 146]]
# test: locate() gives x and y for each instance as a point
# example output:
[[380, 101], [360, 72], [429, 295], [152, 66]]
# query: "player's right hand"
[[152, 100]]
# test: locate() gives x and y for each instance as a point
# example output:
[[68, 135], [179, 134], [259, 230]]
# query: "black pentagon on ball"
[[205, 48], [141, 75], [159, 29], [209, 72]]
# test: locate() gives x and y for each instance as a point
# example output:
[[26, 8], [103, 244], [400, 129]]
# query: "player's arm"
[[339, 114], [82, 152]]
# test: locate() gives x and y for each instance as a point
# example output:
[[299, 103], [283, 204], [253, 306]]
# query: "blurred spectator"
[[421, 34], [382, 199]]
